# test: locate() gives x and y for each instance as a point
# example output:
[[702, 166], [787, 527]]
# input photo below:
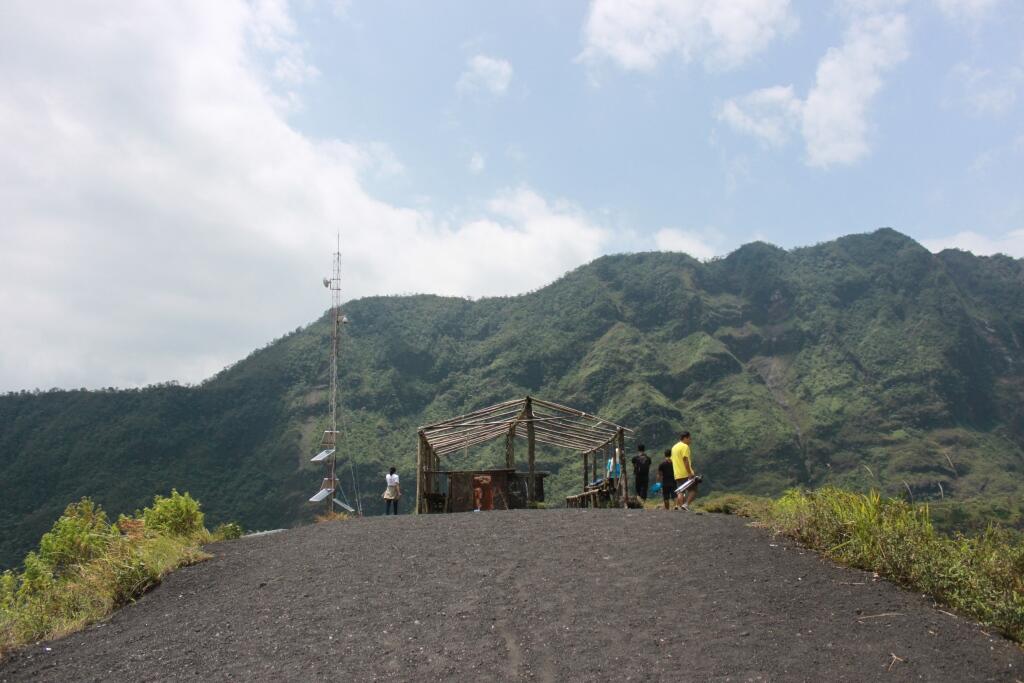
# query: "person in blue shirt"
[[612, 469]]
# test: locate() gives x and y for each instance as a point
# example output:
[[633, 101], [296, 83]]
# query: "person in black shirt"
[[641, 472], [667, 477]]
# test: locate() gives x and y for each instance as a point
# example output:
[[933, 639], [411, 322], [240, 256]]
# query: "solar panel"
[[322, 455], [347, 507], [323, 493]]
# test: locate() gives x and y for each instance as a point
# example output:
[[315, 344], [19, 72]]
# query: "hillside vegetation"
[[980, 575], [86, 567], [866, 362]]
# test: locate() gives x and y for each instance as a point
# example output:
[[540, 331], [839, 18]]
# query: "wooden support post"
[[437, 468], [510, 447], [530, 452], [586, 466], [428, 476], [419, 471], [620, 444]]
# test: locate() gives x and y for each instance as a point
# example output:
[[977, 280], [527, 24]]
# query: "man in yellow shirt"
[[682, 468]]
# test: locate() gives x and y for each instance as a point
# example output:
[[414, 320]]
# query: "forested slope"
[[866, 361]]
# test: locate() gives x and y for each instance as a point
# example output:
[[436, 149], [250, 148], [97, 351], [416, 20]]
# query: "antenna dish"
[[327, 282], [344, 320]]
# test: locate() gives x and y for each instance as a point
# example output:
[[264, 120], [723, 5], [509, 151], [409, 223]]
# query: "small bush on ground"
[[228, 531], [85, 567], [178, 515], [331, 516], [734, 504], [982, 576], [81, 534]]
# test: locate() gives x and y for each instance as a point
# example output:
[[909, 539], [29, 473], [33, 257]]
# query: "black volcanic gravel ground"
[[547, 595]]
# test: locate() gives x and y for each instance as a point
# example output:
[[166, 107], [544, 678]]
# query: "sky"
[[174, 176]]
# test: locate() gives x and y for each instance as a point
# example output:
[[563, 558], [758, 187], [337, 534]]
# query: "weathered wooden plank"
[[531, 447], [419, 470]]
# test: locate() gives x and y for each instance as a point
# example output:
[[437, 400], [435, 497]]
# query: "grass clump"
[[86, 567], [734, 504], [982, 575], [331, 516], [228, 531]]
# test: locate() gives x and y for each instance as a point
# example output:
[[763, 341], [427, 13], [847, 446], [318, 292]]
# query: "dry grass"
[[331, 516]]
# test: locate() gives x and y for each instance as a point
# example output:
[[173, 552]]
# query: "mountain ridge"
[[864, 361]]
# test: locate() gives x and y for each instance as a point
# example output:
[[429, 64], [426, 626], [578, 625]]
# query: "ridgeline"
[[863, 362]]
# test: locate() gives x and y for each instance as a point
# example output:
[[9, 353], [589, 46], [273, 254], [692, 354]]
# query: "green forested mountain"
[[866, 361]]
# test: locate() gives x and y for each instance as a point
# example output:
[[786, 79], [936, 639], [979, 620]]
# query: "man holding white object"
[[682, 467]]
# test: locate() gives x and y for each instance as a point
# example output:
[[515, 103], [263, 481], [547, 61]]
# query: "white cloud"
[[852, 8], [477, 164], [162, 218], [833, 118], [770, 114], [848, 78], [381, 159], [702, 244], [485, 74], [524, 242], [988, 92], [1012, 243], [272, 30], [971, 10], [638, 34]]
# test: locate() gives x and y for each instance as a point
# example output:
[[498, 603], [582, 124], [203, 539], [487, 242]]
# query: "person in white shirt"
[[393, 492]]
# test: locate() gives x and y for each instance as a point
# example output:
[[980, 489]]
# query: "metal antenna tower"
[[329, 444]]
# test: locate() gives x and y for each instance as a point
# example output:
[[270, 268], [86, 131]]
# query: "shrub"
[[178, 515], [37, 578], [228, 531], [8, 589], [79, 535], [86, 568]]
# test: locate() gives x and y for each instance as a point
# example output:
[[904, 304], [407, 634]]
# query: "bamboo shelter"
[[530, 419]]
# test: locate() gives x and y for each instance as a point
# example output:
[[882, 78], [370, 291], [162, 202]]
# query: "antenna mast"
[[329, 444], [335, 288]]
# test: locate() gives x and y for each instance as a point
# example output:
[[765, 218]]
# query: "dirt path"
[[546, 595]]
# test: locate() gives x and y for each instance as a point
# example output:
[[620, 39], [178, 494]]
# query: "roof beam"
[[563, 439], [464, 436], [582, 428], [459, 445], [475, 413], [580, 413]]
